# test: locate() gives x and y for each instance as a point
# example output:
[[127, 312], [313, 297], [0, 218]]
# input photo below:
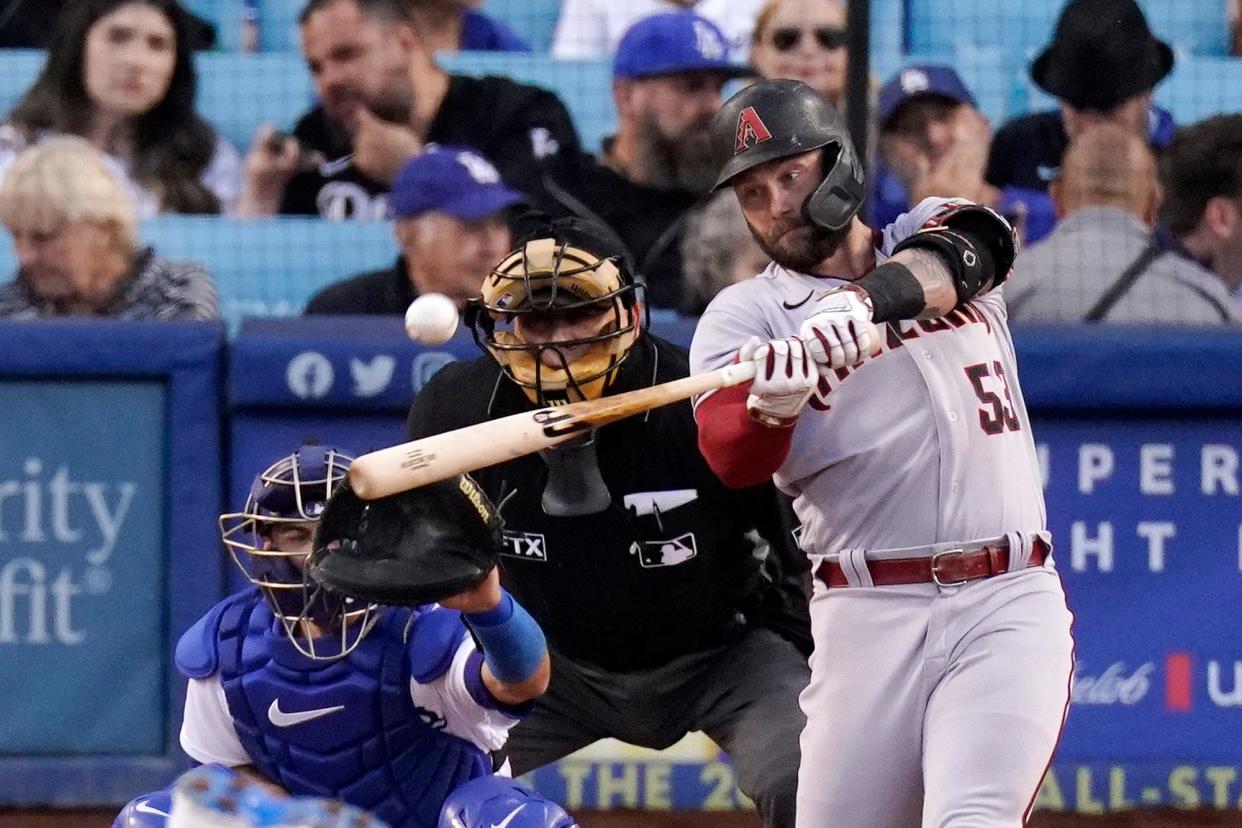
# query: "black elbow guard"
[[976, 244]]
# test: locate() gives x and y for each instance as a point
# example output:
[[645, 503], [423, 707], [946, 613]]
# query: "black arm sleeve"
[[975, 243]]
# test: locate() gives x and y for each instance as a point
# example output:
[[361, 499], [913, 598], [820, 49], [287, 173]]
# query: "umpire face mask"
[[558, 319]]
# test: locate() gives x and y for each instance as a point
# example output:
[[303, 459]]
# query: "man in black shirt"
[[448, 206], [382, 100], [639, 565], [667, 75], [1102, 65]]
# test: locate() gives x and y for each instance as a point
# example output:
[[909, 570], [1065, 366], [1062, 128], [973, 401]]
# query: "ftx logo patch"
[[529, 546]]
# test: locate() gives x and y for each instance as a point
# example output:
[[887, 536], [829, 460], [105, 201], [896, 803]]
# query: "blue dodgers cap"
[[671, 43], [920, 79], [453, 180]]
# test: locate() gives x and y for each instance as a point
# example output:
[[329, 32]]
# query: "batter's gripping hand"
[[785, 378], [840, 333]]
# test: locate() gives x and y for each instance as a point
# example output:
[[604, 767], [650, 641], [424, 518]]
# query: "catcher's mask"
[[568, 272], [270, 540], [411, 548]]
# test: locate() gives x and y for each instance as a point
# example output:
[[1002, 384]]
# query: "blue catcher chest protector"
[[366, 742]]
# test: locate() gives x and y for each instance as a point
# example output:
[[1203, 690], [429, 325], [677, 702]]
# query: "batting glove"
[[785, 378], [840, 333]]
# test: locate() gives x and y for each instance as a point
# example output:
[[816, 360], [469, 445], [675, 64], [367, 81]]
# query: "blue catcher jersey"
[[393, 727]]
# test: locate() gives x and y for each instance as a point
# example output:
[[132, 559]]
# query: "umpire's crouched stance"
[[640, 567]]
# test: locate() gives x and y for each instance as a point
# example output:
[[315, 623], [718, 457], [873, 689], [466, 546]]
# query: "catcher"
[[335, 675]]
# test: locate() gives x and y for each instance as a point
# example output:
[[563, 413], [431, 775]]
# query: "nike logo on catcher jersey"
[[504, 823], [788, 306], [282, 719]]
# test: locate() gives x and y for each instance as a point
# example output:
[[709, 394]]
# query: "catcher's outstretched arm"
[[515, 667]]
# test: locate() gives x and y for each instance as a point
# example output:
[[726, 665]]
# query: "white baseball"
[[432, 319]]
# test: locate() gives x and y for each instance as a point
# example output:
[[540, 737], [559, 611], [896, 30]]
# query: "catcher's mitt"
[[410, 548]]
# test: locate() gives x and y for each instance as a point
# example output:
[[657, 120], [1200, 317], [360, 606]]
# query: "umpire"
[[663, 611]]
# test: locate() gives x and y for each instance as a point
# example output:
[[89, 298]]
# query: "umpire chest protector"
[[368, 743]]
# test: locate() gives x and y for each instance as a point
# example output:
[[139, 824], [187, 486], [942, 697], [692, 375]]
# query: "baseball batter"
[[886, 402]]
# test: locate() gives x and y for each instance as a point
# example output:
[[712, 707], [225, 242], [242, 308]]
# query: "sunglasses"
[[788, 37]]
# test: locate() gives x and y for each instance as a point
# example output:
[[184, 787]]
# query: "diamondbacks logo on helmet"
[[750, 129]]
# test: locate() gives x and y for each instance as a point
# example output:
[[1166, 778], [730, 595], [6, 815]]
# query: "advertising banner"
[[82, 628]]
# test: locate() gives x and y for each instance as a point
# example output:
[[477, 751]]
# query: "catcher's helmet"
[[568, 268], [295, 490], [774, 119], [497, 800], [410, 548]]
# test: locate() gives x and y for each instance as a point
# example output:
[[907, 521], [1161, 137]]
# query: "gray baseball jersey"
[[948, 699], [904, 449]]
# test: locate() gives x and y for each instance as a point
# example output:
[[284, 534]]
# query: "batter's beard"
[[801, 254], [684, 163]]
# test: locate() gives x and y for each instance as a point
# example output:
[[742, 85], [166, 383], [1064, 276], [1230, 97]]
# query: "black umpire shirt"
[[523, 130], [649, 220], [377, 292], [620, 589]]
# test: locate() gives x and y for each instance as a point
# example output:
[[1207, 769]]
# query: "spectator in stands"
[[1202, 175], [120, 73], [933, 142], [592, 29], [456, 25], [804, 40], [382, 99], [449, 205], [75, 235], [667, 78], [718, 250], [1103, 262], [1102, 64]]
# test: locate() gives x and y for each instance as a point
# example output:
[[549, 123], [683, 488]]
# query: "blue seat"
[[533, 20], [277, 22], [1021, 29], [262, 267], [18, 69], [584, 86], [237, 92], [1200, 86]]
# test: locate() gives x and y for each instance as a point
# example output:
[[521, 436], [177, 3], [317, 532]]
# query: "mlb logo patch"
[[528, 546], [653, 554]]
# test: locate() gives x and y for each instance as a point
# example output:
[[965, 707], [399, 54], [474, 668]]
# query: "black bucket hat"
[[1101, 54]]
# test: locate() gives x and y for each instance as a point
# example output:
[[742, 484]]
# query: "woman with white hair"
[[75, 236]]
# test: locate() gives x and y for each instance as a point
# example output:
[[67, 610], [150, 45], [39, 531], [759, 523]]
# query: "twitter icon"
[[371, 378]]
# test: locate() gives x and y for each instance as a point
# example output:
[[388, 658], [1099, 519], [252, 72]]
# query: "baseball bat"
[[439, 457]]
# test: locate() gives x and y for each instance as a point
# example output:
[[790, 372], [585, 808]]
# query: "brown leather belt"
[[947, 567]]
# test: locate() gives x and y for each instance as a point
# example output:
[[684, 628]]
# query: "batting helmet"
[[570, 270], [294, 492], [773, 119], [497, 800], [410, 548]]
